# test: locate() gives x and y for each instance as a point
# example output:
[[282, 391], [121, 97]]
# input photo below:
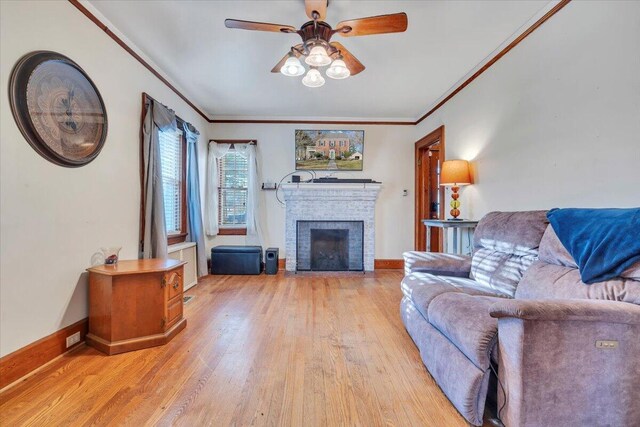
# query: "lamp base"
[[455, 203]]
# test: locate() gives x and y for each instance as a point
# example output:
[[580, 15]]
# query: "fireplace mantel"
[[330, 201]]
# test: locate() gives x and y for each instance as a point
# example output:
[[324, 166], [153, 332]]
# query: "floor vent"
[[188, 299]]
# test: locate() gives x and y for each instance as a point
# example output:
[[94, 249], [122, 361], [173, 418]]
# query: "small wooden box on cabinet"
[[135, 304]]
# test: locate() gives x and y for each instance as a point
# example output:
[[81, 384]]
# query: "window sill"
[[232, 232], [176, 238], [180, 246]]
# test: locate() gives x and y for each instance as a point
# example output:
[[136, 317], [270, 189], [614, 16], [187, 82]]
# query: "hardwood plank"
[[259, 350], [16, 365]]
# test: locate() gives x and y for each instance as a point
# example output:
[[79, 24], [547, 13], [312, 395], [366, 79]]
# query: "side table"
[[135, 304], [446, 224]]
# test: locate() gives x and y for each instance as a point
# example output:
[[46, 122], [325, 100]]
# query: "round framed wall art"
[[57, 108]]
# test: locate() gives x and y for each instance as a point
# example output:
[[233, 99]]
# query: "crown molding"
[[86, 12], [300, 121], [457, 89]]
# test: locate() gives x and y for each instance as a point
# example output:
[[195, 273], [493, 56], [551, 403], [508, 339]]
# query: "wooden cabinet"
[[135, 304]]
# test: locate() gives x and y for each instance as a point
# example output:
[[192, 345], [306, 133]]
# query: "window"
[[172, 160], [232, 193]]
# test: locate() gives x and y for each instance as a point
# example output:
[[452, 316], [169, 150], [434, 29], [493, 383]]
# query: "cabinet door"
[[174, 312], [137, 306]]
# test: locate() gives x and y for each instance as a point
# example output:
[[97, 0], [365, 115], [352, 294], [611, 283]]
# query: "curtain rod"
[[235, 141]]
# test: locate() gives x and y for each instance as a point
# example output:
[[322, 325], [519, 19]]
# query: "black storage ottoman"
[[236, 259]]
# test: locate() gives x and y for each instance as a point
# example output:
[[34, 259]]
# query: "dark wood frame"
[[173, 238], [295, 161], [238, 231], [426, 141], [18, 83]]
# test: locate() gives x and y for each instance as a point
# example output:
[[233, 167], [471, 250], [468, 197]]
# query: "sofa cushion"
[[498, 271], [438, 263], [552, 251], [422, 288], [511, 232], [633, 272], [506, 244], [462, 382], [464, 319], [556, 276], [550, 281]]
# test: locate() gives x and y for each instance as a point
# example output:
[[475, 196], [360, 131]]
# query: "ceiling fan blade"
[[351, 61], [279, 65], [394, 23], [319, 6], [258, 26]]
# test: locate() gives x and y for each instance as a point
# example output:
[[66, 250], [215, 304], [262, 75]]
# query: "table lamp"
[[455, 173]]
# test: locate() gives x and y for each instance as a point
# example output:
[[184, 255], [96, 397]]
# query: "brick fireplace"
[[335, 207]]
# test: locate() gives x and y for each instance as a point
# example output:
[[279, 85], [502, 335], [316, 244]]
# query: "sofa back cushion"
[[556, 276], [505, 245]]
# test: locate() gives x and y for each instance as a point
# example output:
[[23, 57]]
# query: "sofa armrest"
[[441, 264], [568, 310], [568, 362]]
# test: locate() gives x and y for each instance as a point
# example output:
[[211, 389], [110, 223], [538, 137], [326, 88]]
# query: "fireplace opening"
[[329, 250], [330, 246]]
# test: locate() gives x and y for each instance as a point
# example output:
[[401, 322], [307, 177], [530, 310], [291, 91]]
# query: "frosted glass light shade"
[[292, 67], [318, 57], [338, 70], [455, 173], [313, 78]]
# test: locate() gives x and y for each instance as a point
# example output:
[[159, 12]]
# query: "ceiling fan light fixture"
[[318, 57], [292, 67], [313, 78], [338, 70]]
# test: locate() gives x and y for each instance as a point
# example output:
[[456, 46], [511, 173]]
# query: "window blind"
[[171, 164], [232, 192]]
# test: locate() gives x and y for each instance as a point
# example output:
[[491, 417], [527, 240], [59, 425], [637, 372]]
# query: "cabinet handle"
[[176, 285]]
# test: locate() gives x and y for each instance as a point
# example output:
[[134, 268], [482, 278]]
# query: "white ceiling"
[[227, 72]]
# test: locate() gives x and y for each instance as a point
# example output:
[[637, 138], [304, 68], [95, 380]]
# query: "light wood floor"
[[258, 350]]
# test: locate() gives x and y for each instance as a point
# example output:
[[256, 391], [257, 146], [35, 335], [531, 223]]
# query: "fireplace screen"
[[330, 245]]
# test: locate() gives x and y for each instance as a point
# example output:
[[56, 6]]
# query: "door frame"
[[423, 143]]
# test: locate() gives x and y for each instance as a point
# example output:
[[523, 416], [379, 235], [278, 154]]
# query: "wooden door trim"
[[431, 138]]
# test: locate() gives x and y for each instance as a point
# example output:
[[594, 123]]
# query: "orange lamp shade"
[[455, 173]]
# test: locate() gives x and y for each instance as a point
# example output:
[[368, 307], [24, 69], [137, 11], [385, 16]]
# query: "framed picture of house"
[[329, 150]]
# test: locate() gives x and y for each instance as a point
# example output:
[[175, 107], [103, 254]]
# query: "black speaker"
[[271, 261], [295, 178]]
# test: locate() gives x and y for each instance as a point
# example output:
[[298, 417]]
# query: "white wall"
[[388, 157], [555, 122], [52, 218]]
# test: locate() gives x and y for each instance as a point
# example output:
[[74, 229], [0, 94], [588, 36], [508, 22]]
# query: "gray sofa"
[[565, 353]]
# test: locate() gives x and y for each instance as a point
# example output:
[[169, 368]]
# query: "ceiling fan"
[[317, 47]]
